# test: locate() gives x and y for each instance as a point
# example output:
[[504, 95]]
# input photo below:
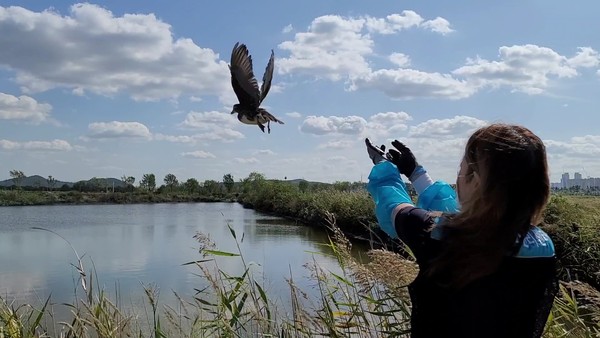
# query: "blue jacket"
[[514, 301]]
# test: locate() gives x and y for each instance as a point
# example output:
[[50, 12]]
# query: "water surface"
[[131, 245]]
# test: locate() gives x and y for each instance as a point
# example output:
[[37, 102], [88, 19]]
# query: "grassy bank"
[[22, 198]]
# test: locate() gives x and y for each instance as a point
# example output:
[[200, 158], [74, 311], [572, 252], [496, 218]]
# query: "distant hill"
[[36, 181]]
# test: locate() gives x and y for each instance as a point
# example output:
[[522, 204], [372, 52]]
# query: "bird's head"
[[235, 108]]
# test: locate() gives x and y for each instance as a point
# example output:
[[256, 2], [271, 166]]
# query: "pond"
[[128, 246]]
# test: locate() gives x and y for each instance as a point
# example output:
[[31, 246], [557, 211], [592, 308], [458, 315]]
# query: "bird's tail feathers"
[[266, 116]]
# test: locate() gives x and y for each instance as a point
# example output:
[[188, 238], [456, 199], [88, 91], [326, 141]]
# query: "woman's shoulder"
[[536, 244]]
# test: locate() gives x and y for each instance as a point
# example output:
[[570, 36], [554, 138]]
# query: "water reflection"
[[147, 243]]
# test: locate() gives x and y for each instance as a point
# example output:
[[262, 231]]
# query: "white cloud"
[[223, 135], [54, 145], [337, 144], [321, 125], [438, 25], [209, 120], [336, 47], [249, 160], [117, 129], [578, 147], [215, 126], [287, 29], [456, 126], [264, 152], [333, 47], [294, 115], [106, 54], [586, 57], [410, 83], [399, 59], [385, 124], [175, 138], [23, 108], [198, 154], [525, 68], [394, 22]]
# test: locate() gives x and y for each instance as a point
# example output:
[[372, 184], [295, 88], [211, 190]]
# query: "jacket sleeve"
[[388, 191]]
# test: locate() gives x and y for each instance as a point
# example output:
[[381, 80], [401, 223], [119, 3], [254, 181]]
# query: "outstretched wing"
[[242, 77], [267, 77]]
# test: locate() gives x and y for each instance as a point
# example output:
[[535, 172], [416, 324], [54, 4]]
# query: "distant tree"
[[95, 184], [51, 182], [80, 186], [129, 181], [17, 177], [252, 181], [191, 185], [303, 185], [171, 181], [211, 187], [148, 182], [341, 185], [228, 182]]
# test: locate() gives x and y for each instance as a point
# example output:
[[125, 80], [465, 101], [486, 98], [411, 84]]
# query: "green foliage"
[[228, 182], [148, 182], [211, 187], [192, 186], [17, 177], [171, 181], [573, 225], [352, 207]]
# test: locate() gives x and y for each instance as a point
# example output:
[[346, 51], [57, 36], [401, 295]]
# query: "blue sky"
[[115, 88]]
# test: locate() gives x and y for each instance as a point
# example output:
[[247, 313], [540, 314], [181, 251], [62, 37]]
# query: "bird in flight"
[[246, 89]]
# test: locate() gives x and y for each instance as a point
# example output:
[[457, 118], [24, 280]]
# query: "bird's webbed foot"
[[261, 127]]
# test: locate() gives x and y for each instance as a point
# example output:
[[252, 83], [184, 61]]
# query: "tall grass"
[[358, 300]]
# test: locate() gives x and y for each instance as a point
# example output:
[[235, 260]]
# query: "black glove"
[[376, 154], [403, 158]]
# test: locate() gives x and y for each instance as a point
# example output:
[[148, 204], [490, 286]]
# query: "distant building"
[[577, 181]]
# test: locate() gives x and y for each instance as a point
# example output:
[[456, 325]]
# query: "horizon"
[[127, 88]]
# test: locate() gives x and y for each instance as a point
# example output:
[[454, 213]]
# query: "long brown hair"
[[513, 190]]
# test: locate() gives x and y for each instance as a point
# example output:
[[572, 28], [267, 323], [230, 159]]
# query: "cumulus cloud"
[[54, 145], [456, 126], [287, 29], [336, 47], [214, 126], [583, 146], [409, 83], [321, 125], [198, 154], [332, 47], [586, 57], [175, 138], [438, 25], [295, 115], [264, 152], [23, 108], [209, 120], [106, 54], [336, 144], [524, 68], [394, 23], [386, 124], [249, 160], [400, 60], [117, 129]]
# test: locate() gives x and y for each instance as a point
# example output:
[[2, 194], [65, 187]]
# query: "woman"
[[486, 270]]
